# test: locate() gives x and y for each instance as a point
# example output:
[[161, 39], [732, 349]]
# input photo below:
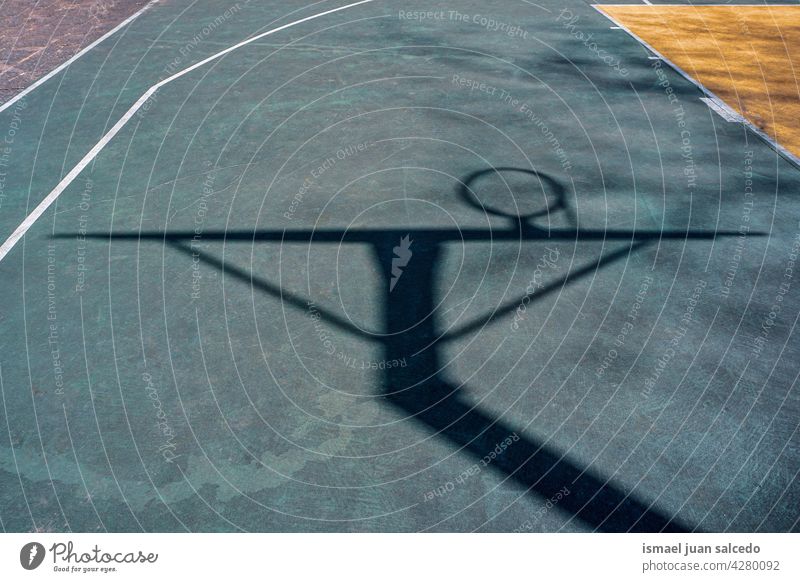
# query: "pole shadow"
[[420, 389]]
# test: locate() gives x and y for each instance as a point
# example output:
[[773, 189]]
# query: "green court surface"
[[399, 267]]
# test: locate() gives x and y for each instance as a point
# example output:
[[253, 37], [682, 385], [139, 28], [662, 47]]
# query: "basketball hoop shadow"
[[419, 389]]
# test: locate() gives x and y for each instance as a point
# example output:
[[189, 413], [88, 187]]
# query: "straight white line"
[[721, 108], [773, 143], [73, 173], [75, 57], [87, 159]]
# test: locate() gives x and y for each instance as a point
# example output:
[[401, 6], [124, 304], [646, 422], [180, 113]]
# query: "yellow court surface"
[[748, 56]]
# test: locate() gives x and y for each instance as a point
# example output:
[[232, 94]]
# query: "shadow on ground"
[[411, 331]]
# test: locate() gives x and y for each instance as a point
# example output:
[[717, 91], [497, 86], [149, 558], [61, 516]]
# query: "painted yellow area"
[[749, 56]]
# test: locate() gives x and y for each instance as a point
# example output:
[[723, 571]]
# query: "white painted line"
[[87, 159], [75, 57], [722, 109], [249, 40], [73, 173], [708, 93]]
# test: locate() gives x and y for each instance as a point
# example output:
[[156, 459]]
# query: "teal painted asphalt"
[[380, 272]]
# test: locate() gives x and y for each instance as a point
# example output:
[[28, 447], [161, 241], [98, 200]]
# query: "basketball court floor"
[[417, 266]]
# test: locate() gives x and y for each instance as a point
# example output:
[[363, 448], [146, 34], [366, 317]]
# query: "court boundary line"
[[779, 149], [40, 81], [723, 110], [62, 185]]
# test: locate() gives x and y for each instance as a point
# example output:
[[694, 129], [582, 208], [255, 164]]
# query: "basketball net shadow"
[[419, 389]]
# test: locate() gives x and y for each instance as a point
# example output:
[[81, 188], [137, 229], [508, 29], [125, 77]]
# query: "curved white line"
[[87, 159], [76, 56]]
